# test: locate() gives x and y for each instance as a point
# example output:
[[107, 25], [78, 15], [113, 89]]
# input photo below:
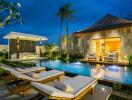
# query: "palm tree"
[[65, 13], [13, 13]]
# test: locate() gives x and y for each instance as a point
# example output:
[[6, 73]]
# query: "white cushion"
[[22, 76], [80, 83], [33, 75], [63, 86], [48, 74], [52, 91], [19, 69]]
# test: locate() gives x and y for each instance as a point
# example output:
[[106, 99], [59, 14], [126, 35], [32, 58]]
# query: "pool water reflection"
[[108, 72]]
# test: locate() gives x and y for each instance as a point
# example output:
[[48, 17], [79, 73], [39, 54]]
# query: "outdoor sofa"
[[112, 56], [91, 56]]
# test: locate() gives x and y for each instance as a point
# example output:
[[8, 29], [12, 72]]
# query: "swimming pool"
[[108, 72]]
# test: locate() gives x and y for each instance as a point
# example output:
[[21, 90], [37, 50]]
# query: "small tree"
[[130, 61], [49, 48], [10, 13]]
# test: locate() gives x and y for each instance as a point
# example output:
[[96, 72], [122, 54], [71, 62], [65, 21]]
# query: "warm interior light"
[[103, 46]]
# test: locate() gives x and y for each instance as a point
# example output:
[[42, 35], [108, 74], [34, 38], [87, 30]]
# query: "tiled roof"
[[107, 22]]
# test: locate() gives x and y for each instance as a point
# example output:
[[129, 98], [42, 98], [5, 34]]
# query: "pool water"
[[108, 72]]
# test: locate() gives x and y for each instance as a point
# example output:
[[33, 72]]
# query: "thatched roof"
[[107, 22]]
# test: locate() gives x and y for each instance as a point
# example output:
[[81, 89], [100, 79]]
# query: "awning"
[[24, 36]]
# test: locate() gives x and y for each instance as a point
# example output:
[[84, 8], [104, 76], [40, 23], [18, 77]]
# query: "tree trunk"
[[60, 40], [67, 29]]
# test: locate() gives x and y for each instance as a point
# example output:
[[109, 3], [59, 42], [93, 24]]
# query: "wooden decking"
[[121, 63]]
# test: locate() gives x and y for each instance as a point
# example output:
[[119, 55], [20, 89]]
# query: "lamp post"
[[18, 47], [40, 47]]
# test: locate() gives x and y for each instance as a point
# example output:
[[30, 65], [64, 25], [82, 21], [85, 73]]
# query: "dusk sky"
[[40, 16]]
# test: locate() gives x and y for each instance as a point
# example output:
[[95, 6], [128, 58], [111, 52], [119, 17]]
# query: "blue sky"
[[40, 16]]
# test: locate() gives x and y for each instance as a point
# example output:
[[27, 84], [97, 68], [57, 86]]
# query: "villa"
[[109, 34]]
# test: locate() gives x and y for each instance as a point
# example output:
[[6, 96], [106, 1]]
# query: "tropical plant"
[[67, 40], [9, 12], [130, 61], [65, 13], [49, 48]]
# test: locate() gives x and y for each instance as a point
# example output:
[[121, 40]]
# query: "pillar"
[[18, 47], [40, 47]]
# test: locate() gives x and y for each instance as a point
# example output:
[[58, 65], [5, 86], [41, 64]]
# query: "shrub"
[[117, 87], [130, 61], [17, 64], [72, 57], [2, 71]]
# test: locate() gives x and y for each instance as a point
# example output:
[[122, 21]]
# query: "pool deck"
[[101, 93], [120, 62]]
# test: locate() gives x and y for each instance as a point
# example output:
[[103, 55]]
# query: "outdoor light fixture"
[[103, 89], [77, 63], [125, 57], [125, 68]]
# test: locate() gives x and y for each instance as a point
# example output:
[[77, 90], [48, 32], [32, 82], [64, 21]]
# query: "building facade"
[[109, 34]]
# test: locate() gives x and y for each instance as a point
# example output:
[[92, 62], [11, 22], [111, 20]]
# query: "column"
[[18, 47], [40, 47]]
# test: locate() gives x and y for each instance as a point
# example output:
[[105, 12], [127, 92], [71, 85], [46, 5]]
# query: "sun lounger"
[[24, 70], [22, 81], [8, 78], [81, 85]]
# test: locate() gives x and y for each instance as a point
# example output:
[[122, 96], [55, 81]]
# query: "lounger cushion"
[[63, 86], [33, 75], [48, 74], [19, 69], [80, 83], [52, 91], [22, 76]]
